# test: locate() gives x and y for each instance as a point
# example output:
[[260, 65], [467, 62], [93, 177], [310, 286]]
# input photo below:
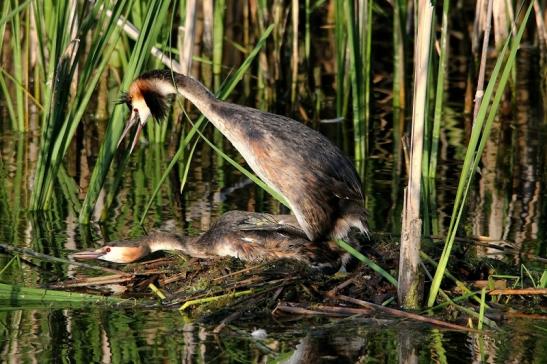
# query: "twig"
[[226, 321], [94, 281], [173, 278], [319, 310], [521, 291], [403, 314], [342, 285], [240, 271]]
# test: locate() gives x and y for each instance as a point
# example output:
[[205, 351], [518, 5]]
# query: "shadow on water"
[[508, 205]]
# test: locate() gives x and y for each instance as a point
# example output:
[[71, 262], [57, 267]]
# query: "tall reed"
[[148, 34], [479, 135], [357, 75], [73, 86], [410, 282], [16, 19]]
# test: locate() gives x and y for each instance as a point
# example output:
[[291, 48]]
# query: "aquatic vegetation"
[[343, 67]]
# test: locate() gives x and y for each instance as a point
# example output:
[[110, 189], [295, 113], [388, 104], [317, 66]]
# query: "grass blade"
[[479, 137], [151, 28]]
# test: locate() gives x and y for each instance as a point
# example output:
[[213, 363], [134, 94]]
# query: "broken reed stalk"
[[366, 308], [185, 49], [410, 282], [403, 314], [133, 32]]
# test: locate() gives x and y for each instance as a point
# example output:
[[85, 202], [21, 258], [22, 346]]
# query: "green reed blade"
[[375, 267], [184, 177], [65, 113], [356, 76], [17, 295], [7, 16], [340, 45], [151, 28], [218, 39], [479, 136], [439, 96]]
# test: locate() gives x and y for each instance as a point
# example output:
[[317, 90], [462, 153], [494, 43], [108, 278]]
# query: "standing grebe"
[[319, 183], [250, 236]]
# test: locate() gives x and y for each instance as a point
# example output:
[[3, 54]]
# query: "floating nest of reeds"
[[225, 289]]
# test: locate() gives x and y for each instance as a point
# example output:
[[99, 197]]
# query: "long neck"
[[196, 93], [164, 241]]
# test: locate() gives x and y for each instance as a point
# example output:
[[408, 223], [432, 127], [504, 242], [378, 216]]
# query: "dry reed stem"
[[403, 314], [185, 49], [294, 58], [409, 273], [133, 33], [319, 310], [521, 291], [542, 32], [94, 281]]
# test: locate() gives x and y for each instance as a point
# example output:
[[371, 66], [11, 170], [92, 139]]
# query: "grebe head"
[[115, 253], [146, 96]]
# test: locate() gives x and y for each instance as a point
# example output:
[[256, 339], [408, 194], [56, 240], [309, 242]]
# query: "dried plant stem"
[[409, 274], [187, 45], [133, 33]]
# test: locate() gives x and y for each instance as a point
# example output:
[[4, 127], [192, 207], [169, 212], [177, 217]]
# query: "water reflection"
[[124, 336]]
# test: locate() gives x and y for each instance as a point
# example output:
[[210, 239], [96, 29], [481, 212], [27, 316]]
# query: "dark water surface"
[[144, 336]]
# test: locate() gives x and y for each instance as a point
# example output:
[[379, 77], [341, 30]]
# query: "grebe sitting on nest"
[[250, 236], [319, 183]]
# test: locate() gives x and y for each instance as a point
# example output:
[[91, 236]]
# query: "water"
[[507, 205], [146, 336], [515, 213]]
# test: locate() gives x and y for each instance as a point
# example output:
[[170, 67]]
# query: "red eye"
[[108, 250], [136, 110]]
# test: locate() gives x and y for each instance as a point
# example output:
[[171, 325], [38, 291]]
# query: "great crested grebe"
[[250, 236], [319, 183]]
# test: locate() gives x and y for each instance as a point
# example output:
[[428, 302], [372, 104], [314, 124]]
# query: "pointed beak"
[[88, 255], [134, 119]]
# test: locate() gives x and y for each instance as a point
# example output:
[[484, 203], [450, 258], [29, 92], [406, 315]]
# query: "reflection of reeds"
[[479, 135]]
